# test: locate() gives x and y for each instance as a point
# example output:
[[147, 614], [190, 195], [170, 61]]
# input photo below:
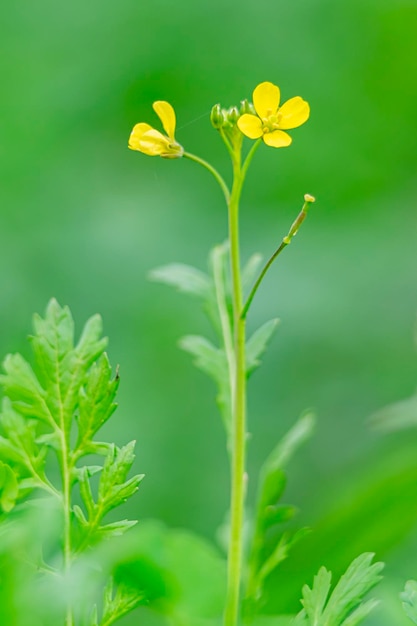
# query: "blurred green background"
[[84, 219]]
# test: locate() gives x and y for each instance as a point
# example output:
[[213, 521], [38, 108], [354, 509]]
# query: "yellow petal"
[[250, 125], [277, 139], [266, 99], [293, 113], [146, 139], [166, 114]]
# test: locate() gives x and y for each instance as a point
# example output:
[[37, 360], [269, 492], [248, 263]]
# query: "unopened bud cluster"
[[227, 118]]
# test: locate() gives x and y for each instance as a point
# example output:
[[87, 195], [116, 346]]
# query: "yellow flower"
[[146, 139], [272, 120]]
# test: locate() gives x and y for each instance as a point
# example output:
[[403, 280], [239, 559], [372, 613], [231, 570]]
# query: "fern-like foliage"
[[55, 408], [343, 606]]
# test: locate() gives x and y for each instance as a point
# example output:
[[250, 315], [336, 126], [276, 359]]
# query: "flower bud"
[[233, 115], [217, 116], [247, 107]]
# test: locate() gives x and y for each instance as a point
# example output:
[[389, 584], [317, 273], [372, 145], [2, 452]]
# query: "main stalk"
[[238, 452]]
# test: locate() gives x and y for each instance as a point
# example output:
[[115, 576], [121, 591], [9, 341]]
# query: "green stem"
[[66, 489], [260, 278], [212, 171], [284, 243], [231, 615]]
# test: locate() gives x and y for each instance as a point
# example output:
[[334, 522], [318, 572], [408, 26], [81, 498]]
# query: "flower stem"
[[238, 452], [284, 243]]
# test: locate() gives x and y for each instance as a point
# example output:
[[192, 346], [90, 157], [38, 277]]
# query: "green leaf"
[[360, 613], [258, 343], [114, 486], [96, 402], [23, 388], [409, 600], [314, 599], [119, 601], [398, 416], [115, 529], [19, 446], [185, 278], [213, 362], [250, 271], [344, 607], [268, 551], [9, 488], [279, 554], [358, 579], [286, 448]]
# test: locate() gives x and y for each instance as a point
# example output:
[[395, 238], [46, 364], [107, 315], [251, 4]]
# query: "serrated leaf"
[[360, 613], [96, 401], [358, 579], [9, 488], [19, 445], [258, 343], [23, 388], [114, 487], [314, 599], [60, 365], [115, 529], [345, 605], [409, 600], [185, 278], [398, 416], [119, 601]]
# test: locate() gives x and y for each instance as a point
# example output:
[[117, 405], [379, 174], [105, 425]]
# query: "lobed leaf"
[[344, 606], [96, 402], [9, 488], [409, 600]]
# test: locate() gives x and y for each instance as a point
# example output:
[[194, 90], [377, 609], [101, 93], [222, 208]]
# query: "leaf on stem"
[[213, 362], [96, 402], [269, 545], [118, 600], [344, 606], [185, 278], [409, 600], [9, 488], [258, 343]]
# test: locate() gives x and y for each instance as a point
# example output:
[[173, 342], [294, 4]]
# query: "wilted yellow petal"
[[166, 114], [250, 125], [266, 99], [146, 139], [135, 136], [293, 113], [277, 139]]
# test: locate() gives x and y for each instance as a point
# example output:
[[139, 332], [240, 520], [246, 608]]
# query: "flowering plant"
[[58, 483]]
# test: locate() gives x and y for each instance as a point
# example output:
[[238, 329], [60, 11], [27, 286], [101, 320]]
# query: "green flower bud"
[[233, 115], [247, 107], [217, 117]]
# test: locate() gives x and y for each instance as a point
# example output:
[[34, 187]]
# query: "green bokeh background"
[[84, 219]]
